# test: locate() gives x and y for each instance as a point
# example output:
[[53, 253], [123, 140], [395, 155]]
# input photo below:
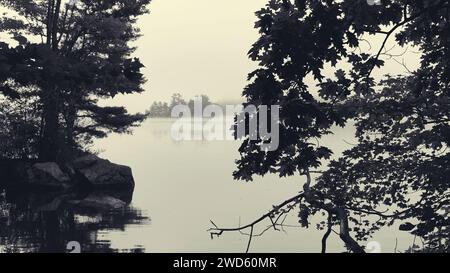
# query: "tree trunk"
[[327, 233], [55, 25], [49, 21], [70, 118], [341, 213], [50, 143], [344, 233]]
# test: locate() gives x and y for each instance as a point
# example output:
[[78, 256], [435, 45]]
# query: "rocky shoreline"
[[88, 182], [87, 172]]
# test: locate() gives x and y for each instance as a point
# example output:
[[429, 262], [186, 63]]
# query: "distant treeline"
[[161, 109]]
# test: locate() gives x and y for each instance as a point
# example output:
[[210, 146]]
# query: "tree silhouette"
[[164, 110], [72, 53], [399, 170]]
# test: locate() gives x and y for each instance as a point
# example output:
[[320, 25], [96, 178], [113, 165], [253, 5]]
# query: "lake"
[[180, 187]]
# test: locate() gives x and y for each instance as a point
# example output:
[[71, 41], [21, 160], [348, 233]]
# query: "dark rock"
[[101, 173], [86, 161], [100, 202], [85, 173], [48, 175]]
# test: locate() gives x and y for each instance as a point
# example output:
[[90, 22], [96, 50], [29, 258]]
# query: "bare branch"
[[397, 26], [279, 210]]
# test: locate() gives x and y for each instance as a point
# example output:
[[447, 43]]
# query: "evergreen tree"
[[177, 99], [75, 52]]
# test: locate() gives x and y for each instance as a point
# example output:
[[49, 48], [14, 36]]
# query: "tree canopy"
[[161, 109], [70, 54], [399, 170]]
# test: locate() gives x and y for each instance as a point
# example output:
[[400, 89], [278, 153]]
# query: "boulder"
[[102, 174], [86, 161], [48, 175], [100, 202]]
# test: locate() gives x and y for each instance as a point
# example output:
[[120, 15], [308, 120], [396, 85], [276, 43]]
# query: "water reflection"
[[48, 221]]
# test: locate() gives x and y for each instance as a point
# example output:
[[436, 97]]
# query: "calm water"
[[180, 187]]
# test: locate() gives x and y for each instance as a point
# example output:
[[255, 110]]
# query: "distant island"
[[160, 109]]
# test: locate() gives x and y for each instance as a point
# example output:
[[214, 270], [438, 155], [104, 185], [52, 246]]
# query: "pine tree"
[[76, 53]]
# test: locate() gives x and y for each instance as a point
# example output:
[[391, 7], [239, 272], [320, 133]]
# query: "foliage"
[[84, 55], [400, 167], [19, 118], [164, 110]]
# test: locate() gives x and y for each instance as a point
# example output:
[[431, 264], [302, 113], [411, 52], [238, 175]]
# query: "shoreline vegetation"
[[58, 59], [160, 109]]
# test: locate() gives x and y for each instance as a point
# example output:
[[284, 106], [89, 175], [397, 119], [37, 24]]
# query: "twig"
[[397, 26], [216, 231]]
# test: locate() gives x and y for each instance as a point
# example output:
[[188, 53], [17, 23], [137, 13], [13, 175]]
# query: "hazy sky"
[[195, 47], [200, 47]]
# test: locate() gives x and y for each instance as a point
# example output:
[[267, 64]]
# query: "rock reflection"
[[47, 222]]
